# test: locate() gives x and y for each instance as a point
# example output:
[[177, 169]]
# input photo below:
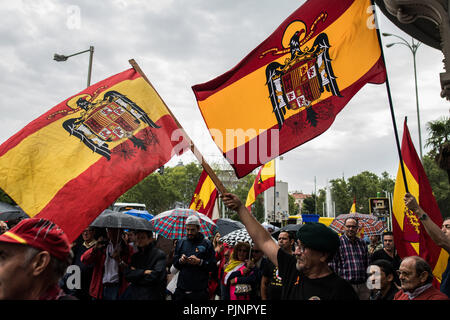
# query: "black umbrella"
[[225, 225], [10, 212], [291, 228], [114, 219]]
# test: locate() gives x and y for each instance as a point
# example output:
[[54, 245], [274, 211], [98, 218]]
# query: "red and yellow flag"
[[264, 180], [409, 234], [290, 88], [205, 196], [74, 161]]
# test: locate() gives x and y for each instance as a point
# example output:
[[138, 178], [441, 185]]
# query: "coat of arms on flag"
[[112, 118], [304, 76]]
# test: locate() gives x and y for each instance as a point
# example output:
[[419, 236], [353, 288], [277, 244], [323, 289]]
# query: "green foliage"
[[439, 184], [309, 205], [5, 198], [362, 186], [162, 192], [293, 207]]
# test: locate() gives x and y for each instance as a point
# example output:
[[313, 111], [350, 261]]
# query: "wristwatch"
[[423, 217]]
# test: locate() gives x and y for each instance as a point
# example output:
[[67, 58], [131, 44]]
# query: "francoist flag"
[[290, 88], [264, 180], [75, 160], [205, 196], [410, 236]]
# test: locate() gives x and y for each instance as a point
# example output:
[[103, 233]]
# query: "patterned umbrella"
[[240, 235], [170, 224], [367, 222]]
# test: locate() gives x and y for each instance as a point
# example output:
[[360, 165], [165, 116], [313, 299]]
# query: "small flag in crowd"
[[264, 180], [409, 234], [353, 207], [290, 88], [72, 162], [205, 196]]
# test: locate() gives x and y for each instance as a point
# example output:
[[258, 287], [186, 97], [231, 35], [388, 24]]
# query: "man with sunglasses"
[[441, 236], [306, 274]]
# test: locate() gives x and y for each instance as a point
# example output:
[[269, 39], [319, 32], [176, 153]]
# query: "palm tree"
[[439, 141]]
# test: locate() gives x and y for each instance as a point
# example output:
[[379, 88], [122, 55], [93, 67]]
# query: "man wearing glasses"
[[441, 236], [416, 279], [352, 259], [306, 274]]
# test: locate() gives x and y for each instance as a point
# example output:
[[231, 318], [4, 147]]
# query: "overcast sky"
[[180, 43]]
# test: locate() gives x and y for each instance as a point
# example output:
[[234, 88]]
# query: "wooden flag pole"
[[219, 185]]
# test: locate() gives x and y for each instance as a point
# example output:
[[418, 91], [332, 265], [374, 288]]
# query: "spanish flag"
[[290, 88], [264, 180], [205, 196], [353, 207], [74, 161], [410, 236]]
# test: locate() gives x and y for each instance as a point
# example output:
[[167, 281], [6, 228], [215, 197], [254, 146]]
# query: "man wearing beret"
[[306, 275], [34, 255]]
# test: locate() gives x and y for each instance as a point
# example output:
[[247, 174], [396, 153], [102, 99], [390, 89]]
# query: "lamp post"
[[413, 46], [61, 57]]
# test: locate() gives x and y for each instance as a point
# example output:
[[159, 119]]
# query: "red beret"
[[41, 234]]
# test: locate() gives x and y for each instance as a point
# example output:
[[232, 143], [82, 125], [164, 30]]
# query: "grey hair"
[[57, 267]]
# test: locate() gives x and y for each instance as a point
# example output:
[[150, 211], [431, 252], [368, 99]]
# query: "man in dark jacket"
[[195, 258], [147, 270]]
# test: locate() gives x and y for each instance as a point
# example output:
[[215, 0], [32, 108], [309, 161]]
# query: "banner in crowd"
[[409, 234], [75, 160], [264, 180], [290, 88], [205, 196]]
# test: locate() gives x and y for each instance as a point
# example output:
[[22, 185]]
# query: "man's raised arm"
[[260, 236]]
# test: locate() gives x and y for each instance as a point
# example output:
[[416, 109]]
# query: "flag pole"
[[219, 185], [391, 106]]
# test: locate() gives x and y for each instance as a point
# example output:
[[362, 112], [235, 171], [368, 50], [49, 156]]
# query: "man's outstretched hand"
[[232, 201]]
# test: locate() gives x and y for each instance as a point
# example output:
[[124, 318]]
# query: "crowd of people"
[[314, 263]]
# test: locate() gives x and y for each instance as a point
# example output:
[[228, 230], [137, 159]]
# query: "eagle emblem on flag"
[[304, 76], [110, 119]]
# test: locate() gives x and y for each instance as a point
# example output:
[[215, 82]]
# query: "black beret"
[[317, 236]]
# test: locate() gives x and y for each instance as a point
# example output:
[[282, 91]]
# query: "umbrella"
[[293, 228], [225, 225], [240, 235], [114, 219], [10, 212], [140, 214], [170, 224], [368, 222]]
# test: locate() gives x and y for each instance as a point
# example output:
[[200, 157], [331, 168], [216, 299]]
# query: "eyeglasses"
[[256, 251], [351, 227]]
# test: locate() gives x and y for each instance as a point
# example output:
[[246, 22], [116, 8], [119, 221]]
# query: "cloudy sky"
[[180, 43]]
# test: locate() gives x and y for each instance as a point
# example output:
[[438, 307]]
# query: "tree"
[[5, 198], [439, 141], [293, 207], [309, 205], [438, 181]]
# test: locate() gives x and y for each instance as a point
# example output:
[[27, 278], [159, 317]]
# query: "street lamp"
[[61, 57], [413, 46]]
